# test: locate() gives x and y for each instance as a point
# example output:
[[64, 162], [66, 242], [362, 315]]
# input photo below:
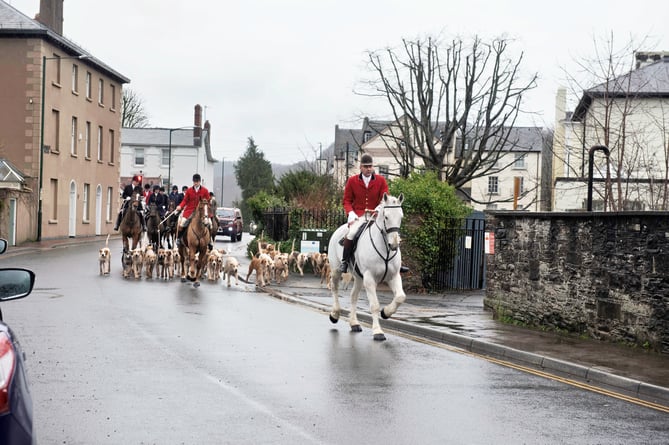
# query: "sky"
[[285, 72]]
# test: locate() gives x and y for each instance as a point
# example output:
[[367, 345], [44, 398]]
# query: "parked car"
[[16, 403], [230, 222]]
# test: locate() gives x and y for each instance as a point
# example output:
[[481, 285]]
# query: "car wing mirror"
[[16, 283]]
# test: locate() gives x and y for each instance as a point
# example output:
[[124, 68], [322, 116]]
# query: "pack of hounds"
[[164, 263], [269, 264], [272, 265]]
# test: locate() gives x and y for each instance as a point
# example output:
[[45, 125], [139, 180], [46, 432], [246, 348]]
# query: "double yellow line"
[[575, 383]]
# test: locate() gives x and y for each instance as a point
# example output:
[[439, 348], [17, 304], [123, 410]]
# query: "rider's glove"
[[352, 217]]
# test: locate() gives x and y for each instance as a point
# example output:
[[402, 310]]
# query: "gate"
[[461, 262]]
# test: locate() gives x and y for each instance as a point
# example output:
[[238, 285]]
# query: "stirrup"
[[343, 267]]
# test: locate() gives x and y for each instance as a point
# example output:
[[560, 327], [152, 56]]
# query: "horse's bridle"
[[384, 233]]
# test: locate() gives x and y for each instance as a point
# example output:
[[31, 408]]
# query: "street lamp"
[[169, 167], [41, 138]]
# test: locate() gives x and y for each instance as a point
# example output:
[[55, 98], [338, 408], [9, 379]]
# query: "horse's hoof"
[[379, 337], [356, 328], [196, 284], [333, 320], [383, 314], [190, 279], [183, 280]]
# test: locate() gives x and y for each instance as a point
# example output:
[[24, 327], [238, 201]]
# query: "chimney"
[[51, 14], [644, 58], [197, 122]]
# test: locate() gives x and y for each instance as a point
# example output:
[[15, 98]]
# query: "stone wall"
[[605, 275]]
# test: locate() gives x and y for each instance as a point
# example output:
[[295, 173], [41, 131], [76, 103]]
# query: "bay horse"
[[196, 241], [131, 225], [152, 226], [376, 259]]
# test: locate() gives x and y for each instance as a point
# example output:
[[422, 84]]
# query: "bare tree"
[[453, 106], [133, 111], [619, 108]]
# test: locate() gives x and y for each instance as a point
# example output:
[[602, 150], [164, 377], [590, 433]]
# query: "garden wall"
[[605, 275]]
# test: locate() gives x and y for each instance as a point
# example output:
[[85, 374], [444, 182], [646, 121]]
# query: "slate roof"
[[15, 24], [156, 137], [649, 81]]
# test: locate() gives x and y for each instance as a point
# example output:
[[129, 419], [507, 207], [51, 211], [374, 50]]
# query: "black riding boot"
[[141, 218], [348, 247], [118, 220]]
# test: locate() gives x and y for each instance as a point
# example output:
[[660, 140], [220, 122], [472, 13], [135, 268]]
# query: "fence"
[[460, 264]]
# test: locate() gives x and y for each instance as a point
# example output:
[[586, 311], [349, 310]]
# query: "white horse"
[[377, 258]]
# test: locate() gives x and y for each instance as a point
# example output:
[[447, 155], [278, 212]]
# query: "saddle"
[[357, 236]]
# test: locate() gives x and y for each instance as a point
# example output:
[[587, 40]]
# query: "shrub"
[[430, 207]]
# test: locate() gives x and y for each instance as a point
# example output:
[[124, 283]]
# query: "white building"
[[167, 156], [629, 115]]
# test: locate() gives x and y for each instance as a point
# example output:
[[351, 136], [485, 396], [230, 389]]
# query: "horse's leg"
[[353, 317], [336, 308], [399, 296], [374, 306]]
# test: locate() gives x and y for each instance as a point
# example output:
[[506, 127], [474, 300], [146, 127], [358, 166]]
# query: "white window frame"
[[493, 185], [139, 159]]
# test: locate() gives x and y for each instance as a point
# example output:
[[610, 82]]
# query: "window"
[[88, 85], [491, 206], [367, 135], [86, 199], [54, 199], [73, 137], [87, 142], [101, 92], [108, 211], [519, 162], [99, 143], [139, 156], [75, 78], [55, 114], [383, 170], [493, 185], [165, 157], [112, 100], [56, 61], [112, 141]]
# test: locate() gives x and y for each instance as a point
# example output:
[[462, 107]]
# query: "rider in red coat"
[[362, 194], [190, 202]]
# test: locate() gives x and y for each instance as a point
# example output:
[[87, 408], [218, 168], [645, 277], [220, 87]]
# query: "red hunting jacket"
[[358, 198], [192, 200]]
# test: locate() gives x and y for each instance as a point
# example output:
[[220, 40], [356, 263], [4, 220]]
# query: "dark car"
[[230, 222], [16, 404]]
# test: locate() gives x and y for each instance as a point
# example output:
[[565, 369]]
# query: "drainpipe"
[[591, 156]]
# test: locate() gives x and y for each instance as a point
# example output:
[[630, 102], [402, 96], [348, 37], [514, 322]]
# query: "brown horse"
[[131, 225], [196, 241]]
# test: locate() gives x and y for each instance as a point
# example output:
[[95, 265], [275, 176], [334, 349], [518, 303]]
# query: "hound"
[[230, 269], [325, 272], [150, 260], [127, 263], [168, 271], [104, 258], [137, 256], [160, 263], [258, 264], [280, 268]]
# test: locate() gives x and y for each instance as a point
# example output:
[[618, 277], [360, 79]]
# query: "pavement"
[[459, 320]]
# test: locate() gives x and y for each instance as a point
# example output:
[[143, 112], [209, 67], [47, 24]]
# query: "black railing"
[[461, 261]]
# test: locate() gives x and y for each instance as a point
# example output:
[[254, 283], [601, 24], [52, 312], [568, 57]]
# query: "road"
[[116, 361]]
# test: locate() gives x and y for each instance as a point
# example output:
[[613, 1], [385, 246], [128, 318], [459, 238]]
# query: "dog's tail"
[[292, 249], [107, 242]]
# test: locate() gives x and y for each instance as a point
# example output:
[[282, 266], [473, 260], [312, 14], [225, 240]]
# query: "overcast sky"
[[285, 71]]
